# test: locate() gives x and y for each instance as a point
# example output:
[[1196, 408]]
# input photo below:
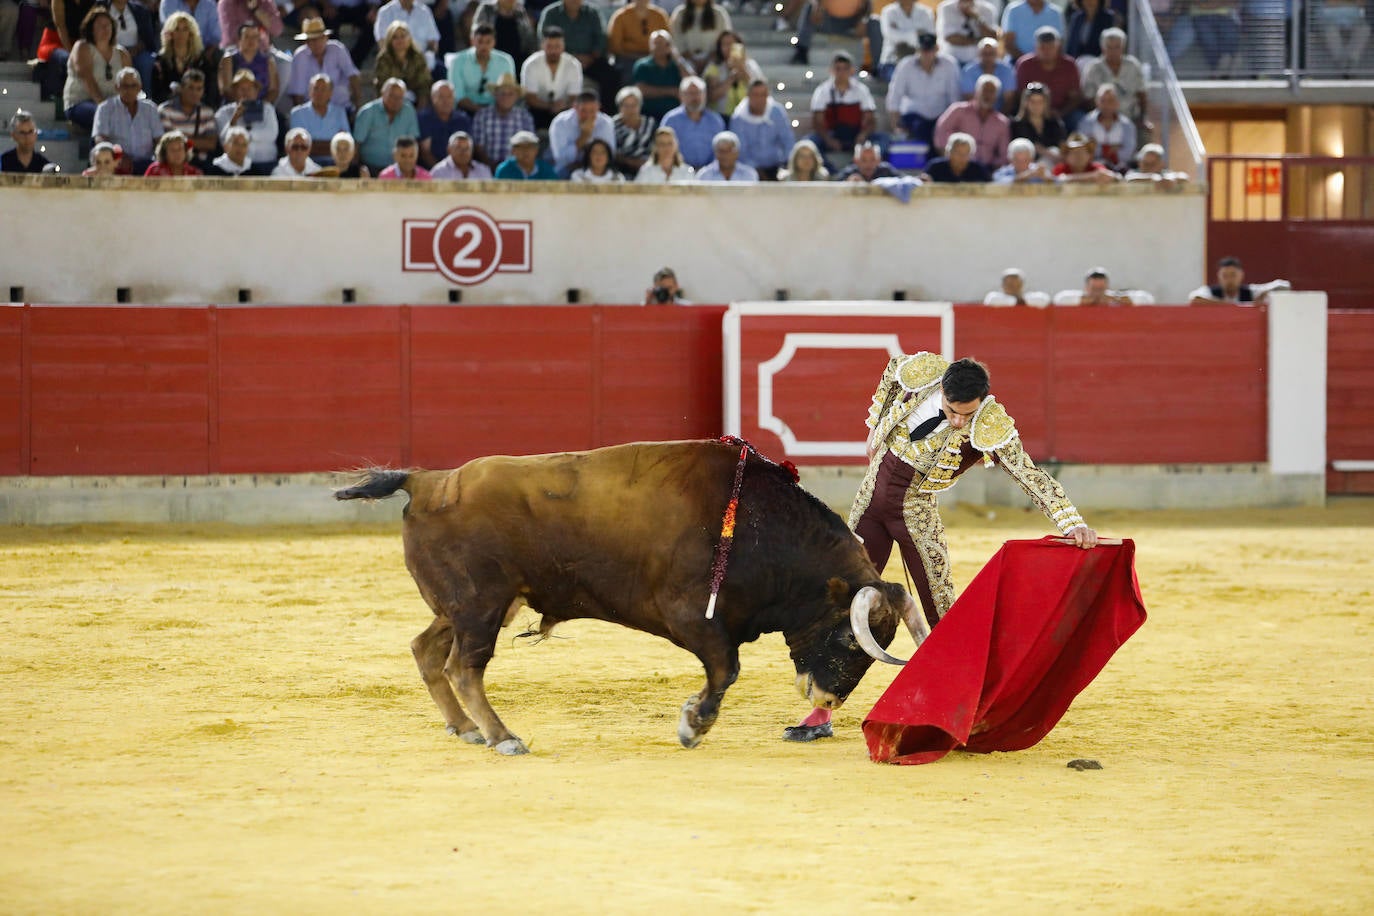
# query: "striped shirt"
[[198, 123], [636, 143]]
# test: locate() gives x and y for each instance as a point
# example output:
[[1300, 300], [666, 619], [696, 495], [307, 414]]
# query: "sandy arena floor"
[[209, 719]]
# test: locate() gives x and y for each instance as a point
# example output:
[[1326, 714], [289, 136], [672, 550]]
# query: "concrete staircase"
[[17, 90], [793, 84]]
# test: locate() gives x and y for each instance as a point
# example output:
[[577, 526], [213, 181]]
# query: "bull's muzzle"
[[806, 686]]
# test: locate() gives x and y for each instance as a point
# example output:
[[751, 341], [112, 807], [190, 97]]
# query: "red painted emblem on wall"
[[1262, 179], [467, 245]]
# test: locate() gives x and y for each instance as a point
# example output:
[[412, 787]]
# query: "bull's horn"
[[860, 608], [915, 620]]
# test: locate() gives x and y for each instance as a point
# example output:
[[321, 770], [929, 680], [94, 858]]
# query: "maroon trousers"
[[884, 523]]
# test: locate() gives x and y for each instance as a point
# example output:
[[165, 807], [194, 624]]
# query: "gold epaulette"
[[991, 427], [921, 370]]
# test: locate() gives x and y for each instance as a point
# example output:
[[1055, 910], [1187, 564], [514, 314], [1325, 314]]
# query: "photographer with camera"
[[665, 290]]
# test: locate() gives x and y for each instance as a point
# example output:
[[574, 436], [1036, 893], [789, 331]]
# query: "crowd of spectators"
[[964, 84]]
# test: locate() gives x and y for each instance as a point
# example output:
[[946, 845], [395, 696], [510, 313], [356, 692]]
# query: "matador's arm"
[[1046, 492]]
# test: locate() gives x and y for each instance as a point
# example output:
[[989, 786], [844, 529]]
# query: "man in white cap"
[[524, 163], [1013, 291]]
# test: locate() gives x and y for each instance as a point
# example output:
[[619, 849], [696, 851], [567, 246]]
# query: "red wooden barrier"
[[118, 390], [307, 388], [14, 420], [1350, 398], [131, 390]]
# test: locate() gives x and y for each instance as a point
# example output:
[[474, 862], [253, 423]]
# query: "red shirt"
[[1094, 166], [1061, 81], [158, 170]]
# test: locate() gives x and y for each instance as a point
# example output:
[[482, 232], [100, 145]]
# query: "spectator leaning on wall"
[[1231, 287]]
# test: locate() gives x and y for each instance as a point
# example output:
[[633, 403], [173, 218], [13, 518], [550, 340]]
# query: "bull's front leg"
[[699, 712]]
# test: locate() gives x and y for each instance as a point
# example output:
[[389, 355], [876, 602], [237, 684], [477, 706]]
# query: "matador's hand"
[[1083, 536]]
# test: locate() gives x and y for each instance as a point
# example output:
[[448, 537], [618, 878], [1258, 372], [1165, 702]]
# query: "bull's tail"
[[374, 483]]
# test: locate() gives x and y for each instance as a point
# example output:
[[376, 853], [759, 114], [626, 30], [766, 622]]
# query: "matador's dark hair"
[[966, 380]]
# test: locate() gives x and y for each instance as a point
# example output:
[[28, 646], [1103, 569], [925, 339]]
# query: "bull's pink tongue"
[[819, 716]]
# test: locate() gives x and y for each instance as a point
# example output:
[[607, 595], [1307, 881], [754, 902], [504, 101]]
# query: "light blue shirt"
[[1023, 20], [321, 127], [563, 134], [968, 77], [1007, 175], [375, 132], [470, 82], [206, 15], [764, 142], [137, 133], [743, 173], [694, 137]]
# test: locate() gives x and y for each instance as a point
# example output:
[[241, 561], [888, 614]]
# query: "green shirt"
[[651, 74], [376, 133], [584, 35]]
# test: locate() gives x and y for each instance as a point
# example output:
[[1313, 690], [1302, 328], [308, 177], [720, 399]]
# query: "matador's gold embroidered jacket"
[[941, 457]]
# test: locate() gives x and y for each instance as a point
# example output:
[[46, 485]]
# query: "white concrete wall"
[[197, 240], [1297, 383]]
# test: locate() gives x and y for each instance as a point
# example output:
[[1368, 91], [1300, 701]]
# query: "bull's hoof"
[[471, 736], [688, 733], [689, 738], [807, 732], [511, 747]]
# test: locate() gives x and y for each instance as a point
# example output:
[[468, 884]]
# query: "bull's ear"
[[838, 592]]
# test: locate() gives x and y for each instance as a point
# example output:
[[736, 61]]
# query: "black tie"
[[926, 427]]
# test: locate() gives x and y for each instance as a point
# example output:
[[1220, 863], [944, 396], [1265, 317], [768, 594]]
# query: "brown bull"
[[626, 534]]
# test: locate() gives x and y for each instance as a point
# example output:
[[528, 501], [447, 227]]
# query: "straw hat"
[[313, 28]]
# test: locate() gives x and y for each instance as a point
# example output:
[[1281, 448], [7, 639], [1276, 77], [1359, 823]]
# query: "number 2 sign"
[[467, 246]]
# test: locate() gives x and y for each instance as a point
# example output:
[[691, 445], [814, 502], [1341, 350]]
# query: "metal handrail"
[[1163, 74]]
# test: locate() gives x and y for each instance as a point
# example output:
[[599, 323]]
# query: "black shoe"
[[801, 56], [807, 732]]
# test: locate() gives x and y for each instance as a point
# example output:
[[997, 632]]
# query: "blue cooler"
[[908, 155]]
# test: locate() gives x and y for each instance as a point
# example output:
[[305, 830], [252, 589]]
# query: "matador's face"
[[959, 413]]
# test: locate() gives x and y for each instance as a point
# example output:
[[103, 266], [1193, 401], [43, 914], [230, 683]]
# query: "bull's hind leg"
[[699, 712], [467, 663], [431, 650]]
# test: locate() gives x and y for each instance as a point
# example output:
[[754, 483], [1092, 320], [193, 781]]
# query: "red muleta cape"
[[1031, 631]]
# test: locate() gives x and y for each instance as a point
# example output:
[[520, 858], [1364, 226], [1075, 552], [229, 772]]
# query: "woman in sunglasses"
[[297, 162], [1036, 123], [92, 67]]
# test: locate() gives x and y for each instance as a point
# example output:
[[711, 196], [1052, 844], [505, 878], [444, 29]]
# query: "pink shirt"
[[391, 173], [991, 134]]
